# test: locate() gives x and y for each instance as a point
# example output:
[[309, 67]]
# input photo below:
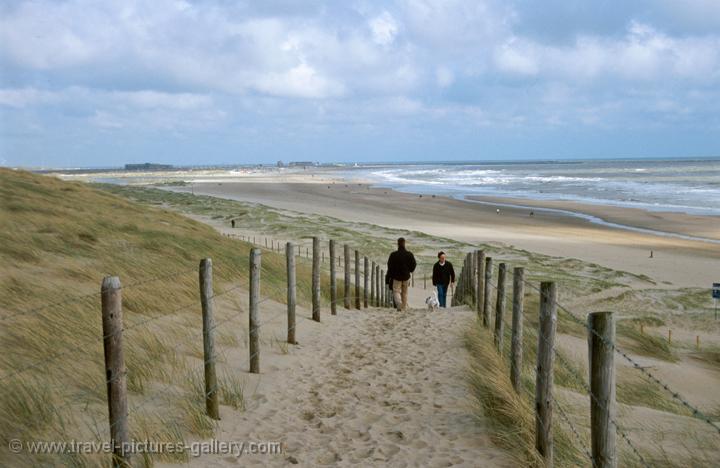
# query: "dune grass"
[[511, 413], [58, 241]]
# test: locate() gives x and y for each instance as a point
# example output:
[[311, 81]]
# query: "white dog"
[[432, 302]]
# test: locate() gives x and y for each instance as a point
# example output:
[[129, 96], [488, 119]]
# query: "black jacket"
[[400, 264], [443, 274]]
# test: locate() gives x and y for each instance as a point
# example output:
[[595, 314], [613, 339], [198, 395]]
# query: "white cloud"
[[520, 60], [20, 98], [300, 81], [384, 28]]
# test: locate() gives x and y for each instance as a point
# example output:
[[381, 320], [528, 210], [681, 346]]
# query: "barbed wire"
[[695, 411], [70, 299], [579, 378]]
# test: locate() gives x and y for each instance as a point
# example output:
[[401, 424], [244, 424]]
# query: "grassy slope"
[[58, 241]]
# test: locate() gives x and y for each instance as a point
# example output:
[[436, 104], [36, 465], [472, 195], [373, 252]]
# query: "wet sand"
[[675, 262]]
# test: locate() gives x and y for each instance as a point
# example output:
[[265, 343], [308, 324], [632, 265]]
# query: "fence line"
[[469, 295]]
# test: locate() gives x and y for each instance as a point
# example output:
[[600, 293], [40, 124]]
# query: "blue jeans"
[[442, 294]]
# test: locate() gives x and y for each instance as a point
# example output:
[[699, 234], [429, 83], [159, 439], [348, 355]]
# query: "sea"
[[677, 185]]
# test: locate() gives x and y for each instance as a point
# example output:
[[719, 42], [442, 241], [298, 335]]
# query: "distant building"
[[280, 164], [302, 164], [148, 167]]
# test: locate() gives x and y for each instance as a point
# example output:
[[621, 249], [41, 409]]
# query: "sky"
[[103, 83]]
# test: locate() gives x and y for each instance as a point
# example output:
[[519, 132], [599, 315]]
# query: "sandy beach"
[[676, 262]]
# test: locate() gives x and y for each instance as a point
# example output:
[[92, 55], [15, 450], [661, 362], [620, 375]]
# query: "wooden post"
[[316, 279], [669, 336], [372, 284], [377, 286], [412, 280], [357, 279], [115, 372], [254, 326], [472, 276], [487, 291], [347, 276], [500, 308], [479, 274], [424, 280], [383, 298], [516, 351], [333, 279], [291, 291], [544, 372], [208, 323], [642, 329], [366, 279], [601, 339], [697, 342]]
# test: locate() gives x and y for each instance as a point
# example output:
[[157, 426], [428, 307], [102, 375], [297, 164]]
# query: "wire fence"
[[163, 343], [469, 282], [359, 283]]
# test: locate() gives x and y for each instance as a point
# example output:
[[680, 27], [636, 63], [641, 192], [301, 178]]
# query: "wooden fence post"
[[372, 284], [347, 275], [254, 313], [472, 276], [487, 294], [500, 308], [479, 274], [544, 371], [424, 280], [601, 339], [377, 286], [516, 350], [357, 279], [115, 372], [383, 298], [291, 291], [333, 279], [412, 280], [208, 323], [316, 279], [366, 279]]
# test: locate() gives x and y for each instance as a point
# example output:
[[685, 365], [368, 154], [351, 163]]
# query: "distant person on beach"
[[443, 276], [399, 266]]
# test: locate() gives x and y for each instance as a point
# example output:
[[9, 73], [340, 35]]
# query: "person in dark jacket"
[[443, 276], [401, 264]]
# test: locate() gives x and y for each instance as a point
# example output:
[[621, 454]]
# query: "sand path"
[[372, 387]]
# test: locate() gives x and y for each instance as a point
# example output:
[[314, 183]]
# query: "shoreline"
[[677, 261], [583, 213]]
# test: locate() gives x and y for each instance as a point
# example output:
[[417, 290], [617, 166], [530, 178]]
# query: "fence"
[[365, 291], [475, 288]]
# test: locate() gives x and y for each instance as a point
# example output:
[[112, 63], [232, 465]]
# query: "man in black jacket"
[[401, 264], [443, 276]]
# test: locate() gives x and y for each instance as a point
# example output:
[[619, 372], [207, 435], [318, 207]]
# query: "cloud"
[[320, 66], [300, 81], [20, 98], [384, 28]]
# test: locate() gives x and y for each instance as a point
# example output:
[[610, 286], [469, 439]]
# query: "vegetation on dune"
[[61, 238], [511, 413], [58, 241]]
